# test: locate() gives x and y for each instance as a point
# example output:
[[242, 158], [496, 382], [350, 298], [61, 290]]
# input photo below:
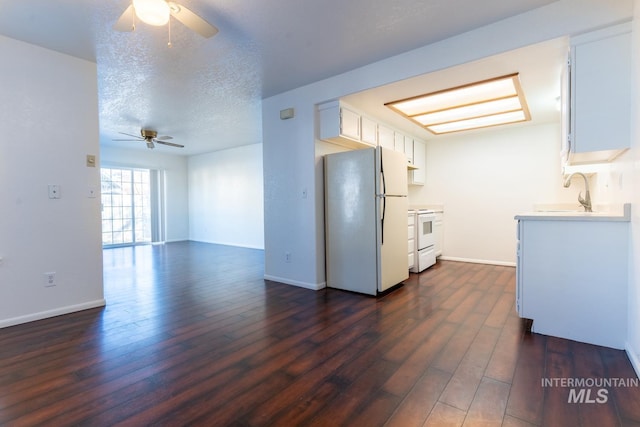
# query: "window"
[[126, 206]]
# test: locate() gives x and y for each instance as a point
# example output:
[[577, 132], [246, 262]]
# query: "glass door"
[[126, 206]]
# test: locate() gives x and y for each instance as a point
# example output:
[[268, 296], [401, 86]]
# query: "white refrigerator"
[[366, 219]]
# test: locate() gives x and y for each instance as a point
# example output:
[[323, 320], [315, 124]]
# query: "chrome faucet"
[[586, 202]]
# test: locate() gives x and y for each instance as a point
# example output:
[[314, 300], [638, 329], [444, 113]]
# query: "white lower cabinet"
[[571, 279], [438, 231], [411, 234]]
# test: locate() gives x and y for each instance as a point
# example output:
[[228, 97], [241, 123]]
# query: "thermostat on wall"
[[286, 114]]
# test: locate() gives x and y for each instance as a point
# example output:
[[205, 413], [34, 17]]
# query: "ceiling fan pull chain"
[[169, 43]]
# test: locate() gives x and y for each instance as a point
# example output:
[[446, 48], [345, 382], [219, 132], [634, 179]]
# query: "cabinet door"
[[408, 148], [349, 123], [386, 137], [369, 131], [600, 73], [411, 242], [419, 175], [399, 142], [438, 231]]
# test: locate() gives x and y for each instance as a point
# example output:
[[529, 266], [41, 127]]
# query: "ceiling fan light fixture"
[[481, 104], [152, 12]]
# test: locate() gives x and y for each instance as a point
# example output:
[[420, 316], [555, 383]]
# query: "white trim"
[[228, 244], [52, 313], [478, 261], [634, 358], [312, 286]]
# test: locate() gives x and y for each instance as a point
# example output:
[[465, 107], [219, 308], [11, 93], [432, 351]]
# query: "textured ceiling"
[[206, 92]]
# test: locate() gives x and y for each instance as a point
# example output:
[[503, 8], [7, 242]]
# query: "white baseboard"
[[478, 261], [52, 313], [312, 286], [173, 241], [634, 358], [227, 244]]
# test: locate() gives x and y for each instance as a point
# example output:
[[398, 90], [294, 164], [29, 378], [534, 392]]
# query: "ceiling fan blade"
[[192, 21], [171, 144], [164, 138], [134, 136], [135, 140], [125, 22]]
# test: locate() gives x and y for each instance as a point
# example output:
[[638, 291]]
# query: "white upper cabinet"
[[386, 137], [404, 144], [339, 124], [599, 127], [349, 123], [398, 142], [418, 176], [369, 131], [408, 148], [343, 125], [346, 126]]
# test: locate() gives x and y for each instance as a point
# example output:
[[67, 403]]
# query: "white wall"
[[289, 160], [484, 180], [633, 343], [226, 197], [176, 196], [49, 123]]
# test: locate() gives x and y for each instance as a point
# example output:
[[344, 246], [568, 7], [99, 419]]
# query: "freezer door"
[[392, 241], [394, 172], [351, 221]]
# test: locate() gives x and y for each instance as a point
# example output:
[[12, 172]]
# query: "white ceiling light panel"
[[486, 103]]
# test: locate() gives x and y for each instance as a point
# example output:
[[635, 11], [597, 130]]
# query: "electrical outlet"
[[50, 279], [287, 257]]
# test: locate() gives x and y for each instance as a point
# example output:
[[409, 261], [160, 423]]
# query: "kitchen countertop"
[[433, 207], [623, 215]]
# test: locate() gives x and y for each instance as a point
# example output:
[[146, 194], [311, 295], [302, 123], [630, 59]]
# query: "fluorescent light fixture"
[[487, 103], [152, 12]]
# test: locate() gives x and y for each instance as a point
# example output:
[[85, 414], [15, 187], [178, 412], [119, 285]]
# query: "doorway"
[[130, 214]]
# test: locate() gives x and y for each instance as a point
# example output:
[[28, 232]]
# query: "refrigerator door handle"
[[384, 208], [382, 197]]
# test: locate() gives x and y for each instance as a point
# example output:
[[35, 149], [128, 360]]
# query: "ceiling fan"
[[158, 13], [151, 138]]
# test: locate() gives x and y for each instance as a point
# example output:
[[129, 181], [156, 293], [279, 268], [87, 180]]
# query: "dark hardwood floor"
[[192, 335]]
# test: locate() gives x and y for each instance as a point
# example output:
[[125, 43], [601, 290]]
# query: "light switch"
[[54, 191], [91, 161]]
